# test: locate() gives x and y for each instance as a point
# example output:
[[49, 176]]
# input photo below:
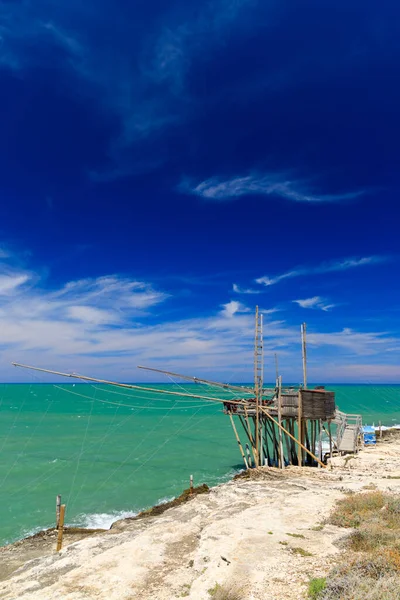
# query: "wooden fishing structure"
[[277, 426]]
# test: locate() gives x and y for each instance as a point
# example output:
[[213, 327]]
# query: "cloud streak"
[[328, 267], [316, 302], [270, 184], [104, 326], [239, 290]]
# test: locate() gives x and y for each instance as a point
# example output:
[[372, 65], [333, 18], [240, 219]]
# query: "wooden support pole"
[[247, 431], [191, 484], [307, 440], [330, 441], [288, 442], [313, 436], [281, 455], [256, 447], [253, 448], [291, 436], [290, 428], [266, 444], [300, 433], [380, 430], [238, 441], [320, 440], [304, 353], [58, 504], [248, 454], [60, 528], [275, 445]]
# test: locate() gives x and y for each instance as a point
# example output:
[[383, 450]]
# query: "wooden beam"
[[238, 441], [227, 386], [291, 436], [300, 427], [129, 385], [281, 455]]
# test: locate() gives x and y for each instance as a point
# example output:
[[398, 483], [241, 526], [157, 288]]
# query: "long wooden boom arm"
[[125, 385]]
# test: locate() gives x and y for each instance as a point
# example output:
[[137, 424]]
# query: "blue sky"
[[166, 166]]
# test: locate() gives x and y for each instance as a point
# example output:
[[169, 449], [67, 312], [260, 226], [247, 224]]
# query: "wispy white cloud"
[[314, 302], [239, 290], [10, 282], [270, 184], [327, 267], [105, 326], [356, 342]]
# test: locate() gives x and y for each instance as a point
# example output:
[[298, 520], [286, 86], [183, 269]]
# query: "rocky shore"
[[262, 535]]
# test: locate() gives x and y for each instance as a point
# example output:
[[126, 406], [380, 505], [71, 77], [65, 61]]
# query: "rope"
[[128, 405], [151, 455], [81, 452], [141, 397]]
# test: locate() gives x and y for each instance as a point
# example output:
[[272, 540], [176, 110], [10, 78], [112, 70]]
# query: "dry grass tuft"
[[301, 551], [371, 566], [225, 592]]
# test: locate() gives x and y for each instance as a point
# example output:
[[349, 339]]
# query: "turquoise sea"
[[111, 452]]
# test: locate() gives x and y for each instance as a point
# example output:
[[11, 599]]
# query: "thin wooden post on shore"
[[60, 528], [191, 484], [380, 430], [58, 504], [239, 443]]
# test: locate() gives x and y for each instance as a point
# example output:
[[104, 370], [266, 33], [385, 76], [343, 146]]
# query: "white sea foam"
[[105, 520], [102, 520]]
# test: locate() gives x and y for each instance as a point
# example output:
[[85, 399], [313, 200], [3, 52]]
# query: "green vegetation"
[[185, 590], [301, 551], [225, 592], [315, 587], [371, 564], [296, 535], [186, 495], [318, 527]]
